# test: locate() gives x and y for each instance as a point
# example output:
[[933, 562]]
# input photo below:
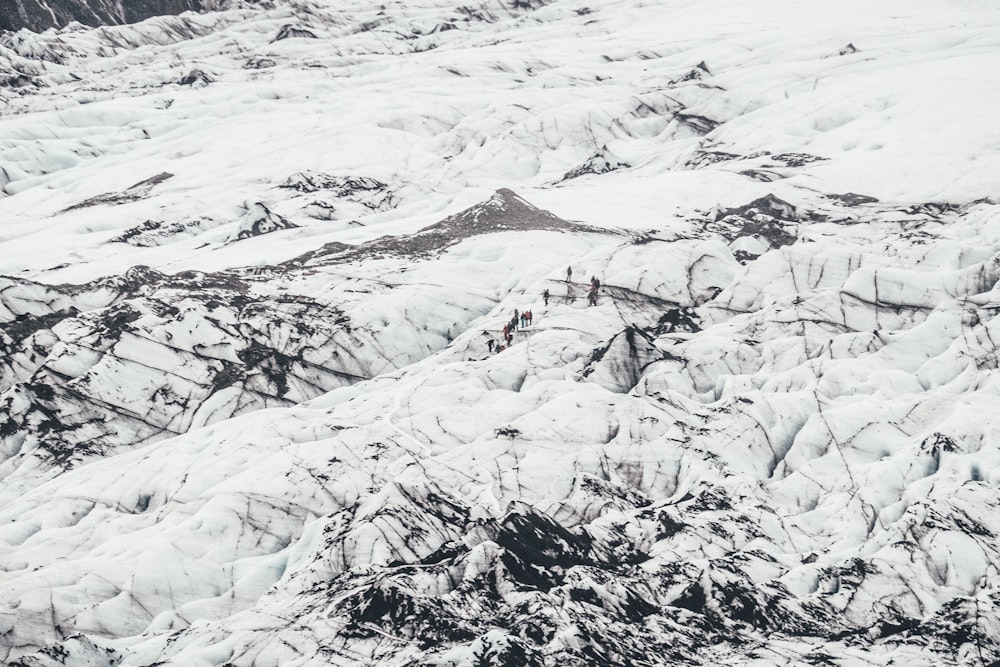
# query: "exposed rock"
[[260, 63], [852, 199], [259, 220], [503, 212], [600, 162], [39, 15], [196, 77], [696, 73]]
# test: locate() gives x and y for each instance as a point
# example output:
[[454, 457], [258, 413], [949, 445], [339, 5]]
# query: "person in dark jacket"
[[545, 297]]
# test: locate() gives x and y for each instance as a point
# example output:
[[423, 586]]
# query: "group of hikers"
[[595, 285], [522, 318], [525, 318]]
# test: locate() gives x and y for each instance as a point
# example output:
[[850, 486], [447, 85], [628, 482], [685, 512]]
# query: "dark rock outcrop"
[[39, 15]]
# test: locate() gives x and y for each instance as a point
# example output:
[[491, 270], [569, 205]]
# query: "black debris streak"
[[852, 199], [289, 31], [370, 192], [196, 77], [677, 320], [703, 158], [25, 325], [260, 62], [797, 159], [932, 209], [133, 193], [265, 346], [341, 186], [696, 73], [504, 211], [619, 363], [699, 124]]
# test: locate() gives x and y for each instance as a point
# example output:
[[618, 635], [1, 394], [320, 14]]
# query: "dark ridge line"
[[504, 211]]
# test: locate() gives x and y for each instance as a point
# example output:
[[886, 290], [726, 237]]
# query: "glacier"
[[254, 260]]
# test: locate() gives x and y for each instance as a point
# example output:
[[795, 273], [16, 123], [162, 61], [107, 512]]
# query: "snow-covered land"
[[252, 261]]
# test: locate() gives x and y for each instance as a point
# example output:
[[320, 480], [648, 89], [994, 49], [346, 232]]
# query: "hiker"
[[506, 330], [524, 319], [592, 297], [510, 338], [545, 297], [569, 273], [490, 343], [529, 317], [594, 282]]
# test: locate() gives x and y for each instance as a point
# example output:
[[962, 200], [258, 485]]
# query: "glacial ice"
[[248, 414]]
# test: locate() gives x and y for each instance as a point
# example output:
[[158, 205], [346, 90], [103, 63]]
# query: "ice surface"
[[256, 273]]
